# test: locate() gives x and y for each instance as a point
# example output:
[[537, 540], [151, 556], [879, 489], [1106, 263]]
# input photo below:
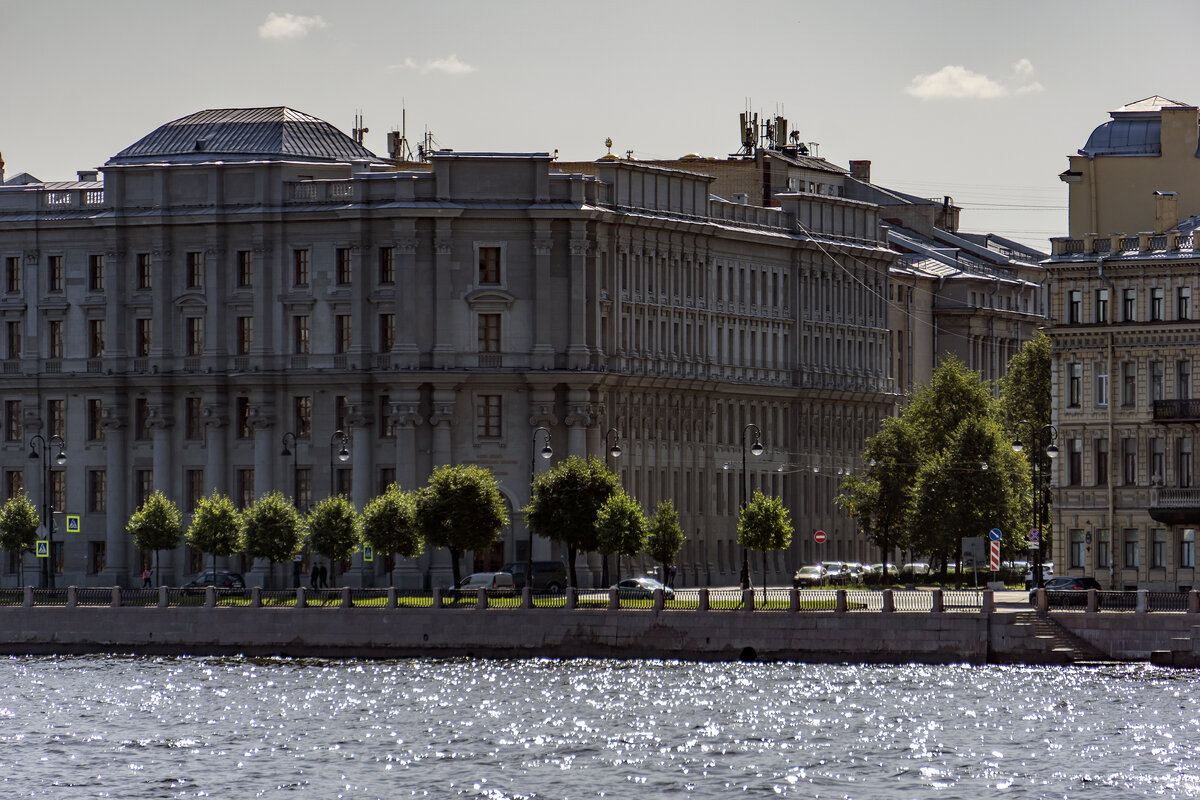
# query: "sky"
[[979, 101]]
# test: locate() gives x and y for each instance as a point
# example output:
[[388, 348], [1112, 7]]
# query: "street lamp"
[[613, 451], [343, 455], [756, 449], [1044, 440], [545, 452], [60, 458], [285, 452]]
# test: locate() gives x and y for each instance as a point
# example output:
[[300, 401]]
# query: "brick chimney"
[[861, 171], [1166, 211]]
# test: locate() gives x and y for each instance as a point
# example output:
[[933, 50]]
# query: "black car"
[[1066, 590], [222, 579]]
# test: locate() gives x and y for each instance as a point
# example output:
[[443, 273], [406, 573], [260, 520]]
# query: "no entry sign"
[[819, 537]]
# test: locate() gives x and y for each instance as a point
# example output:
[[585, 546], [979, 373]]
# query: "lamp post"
[[285, 452], [756, 449], [545, 452], [613, 451], [60, 458], [343, 455], [1043, 440]]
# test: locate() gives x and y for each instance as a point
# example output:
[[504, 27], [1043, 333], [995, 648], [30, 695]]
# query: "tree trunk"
[[571, 566], [454, 556], [157, 574], [764, 574]]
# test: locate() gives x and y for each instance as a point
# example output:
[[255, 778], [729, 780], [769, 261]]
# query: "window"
[[145, 273], [1157, 298], [488, 416], [245, 335], [1183, 380], [54, 280], [95, 338], [97, 490], [344, 332], [1129, 305], [245, 487], [1128, 461], [193, 481], [141, 419], [96, 273], [489, 333], [387, 476], [1074, 385], [55, 331], [1102, 305], [245, 269], [387, 332], [489, 265], [300, 334], [1183, 462], [1101, 370], [343, 480], [193, 428], [303, 488], [340, 409], [58, 489], [13, 428], [244, 429], [195, 270], [1078, 549], [95, 419], [302, 416], [300, 268], [97, 556], [1103, 548], [143, 334], [1157, 381], [1183, 302], [1187, 548], [1129, 384], [1075, 462], [56, 416], [1074, 306], [1100, 467], [387, 265], [1131, 548], [387, 423], [14, 483], [12, 274], [1158, 548], [14, 338], [195, 336], [344, 266], [144, 484], [1157, 460]]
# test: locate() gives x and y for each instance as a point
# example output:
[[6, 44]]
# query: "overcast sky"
[[981, 101]]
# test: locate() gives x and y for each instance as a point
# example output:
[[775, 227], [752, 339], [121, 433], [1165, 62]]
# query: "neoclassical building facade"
[[245, 283]]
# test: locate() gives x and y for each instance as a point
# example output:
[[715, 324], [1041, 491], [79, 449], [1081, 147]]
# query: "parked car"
[[856, 571], [548, 576], [1066, 590], [222, 579], [493, 582], [805, 577], [1047, 574], [642, 588], [836, 572]]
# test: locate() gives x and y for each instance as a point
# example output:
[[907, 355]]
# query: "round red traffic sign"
[[819, 537]]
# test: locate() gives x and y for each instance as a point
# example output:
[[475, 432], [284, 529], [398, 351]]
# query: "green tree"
[[156, 526], [763, 525], [19, 522], [389, 524], [271, 530], [880, 499], [665, 538], [1024, 410], [461, 509], [620, 527], [332, 529], [565, 502], [215, 526], [953, 394]]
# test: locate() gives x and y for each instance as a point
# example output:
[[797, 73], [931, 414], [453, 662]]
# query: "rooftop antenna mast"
[[398, 146], [359, 130]]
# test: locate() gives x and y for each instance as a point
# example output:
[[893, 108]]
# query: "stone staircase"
[[1060, 645]]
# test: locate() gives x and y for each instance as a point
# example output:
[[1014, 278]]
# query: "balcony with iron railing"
[[1175, 505], [1184, 410]]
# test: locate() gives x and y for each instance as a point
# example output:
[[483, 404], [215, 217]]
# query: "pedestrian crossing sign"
[[72, 523], [43, 548], [368, 553]]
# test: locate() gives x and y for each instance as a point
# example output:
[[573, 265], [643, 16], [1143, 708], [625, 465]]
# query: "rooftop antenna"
[[359, 131], [398, 146]]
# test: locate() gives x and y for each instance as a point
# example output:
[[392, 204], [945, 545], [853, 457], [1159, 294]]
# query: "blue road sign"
[[994, 534]]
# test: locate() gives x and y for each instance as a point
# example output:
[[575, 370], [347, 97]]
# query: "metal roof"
[[278, 132]]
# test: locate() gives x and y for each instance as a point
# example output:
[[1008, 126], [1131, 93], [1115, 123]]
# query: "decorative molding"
[[442, 247], [406, 247], [542, 247]]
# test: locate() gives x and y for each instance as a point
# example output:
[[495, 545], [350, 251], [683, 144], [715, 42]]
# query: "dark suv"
[[1066, 590], [221, 579], [548, 576]]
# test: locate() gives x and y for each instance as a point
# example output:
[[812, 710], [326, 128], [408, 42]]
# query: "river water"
[[133, 727]]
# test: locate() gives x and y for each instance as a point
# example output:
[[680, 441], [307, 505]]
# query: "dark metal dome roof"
[[278, 132]]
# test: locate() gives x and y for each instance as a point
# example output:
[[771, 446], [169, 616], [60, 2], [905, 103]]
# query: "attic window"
[[201, 144]]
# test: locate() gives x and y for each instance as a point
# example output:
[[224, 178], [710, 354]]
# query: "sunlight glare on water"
[[273, 728]]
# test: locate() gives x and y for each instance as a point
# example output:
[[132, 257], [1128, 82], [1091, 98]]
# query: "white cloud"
[[450, 65], [956, 82], [288, 26]]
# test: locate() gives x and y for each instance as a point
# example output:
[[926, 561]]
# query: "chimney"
[[861, 171], [1166, 211], [87, 175]]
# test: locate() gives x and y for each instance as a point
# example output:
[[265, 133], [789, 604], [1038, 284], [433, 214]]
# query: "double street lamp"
[[1043, 440], [545, 452], [285, 452], [343, 455], [612, 443], [60, 458], [756, 449]]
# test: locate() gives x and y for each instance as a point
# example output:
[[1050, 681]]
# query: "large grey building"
[[246, 281]]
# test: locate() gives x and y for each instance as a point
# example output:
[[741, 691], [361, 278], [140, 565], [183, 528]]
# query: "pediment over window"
[[490, 299]]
